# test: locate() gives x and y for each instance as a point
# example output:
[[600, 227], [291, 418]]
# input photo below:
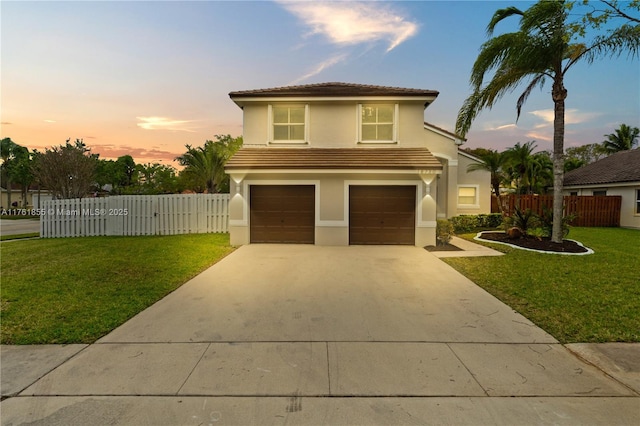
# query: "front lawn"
[[592, 298], [75, 290]]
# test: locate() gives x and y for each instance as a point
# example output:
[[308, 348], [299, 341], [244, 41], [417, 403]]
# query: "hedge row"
[[469, 223]]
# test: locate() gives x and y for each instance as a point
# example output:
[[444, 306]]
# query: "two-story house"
[[341, 164]]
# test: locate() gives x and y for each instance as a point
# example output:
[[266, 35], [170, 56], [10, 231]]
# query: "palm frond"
[[500, 15], [538, 80], [505, 80], [545, 18]]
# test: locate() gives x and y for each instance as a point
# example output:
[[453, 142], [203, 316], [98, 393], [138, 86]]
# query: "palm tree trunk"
[[559, 94], [496, 191]]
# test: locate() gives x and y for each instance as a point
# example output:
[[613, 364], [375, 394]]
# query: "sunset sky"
[[145, 78]]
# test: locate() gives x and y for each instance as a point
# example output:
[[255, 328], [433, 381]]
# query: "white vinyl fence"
[[135, 215]]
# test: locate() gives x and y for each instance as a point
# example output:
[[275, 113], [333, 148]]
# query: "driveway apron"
[[295, 334]]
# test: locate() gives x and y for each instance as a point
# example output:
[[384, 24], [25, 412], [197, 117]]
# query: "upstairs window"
[[288, 123], [378, 122]]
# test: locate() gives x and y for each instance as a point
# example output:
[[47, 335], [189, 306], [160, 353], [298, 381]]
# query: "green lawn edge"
[[593, 298], [19, 236]]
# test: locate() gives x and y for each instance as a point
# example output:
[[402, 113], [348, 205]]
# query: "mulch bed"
[[544, 244], [445, 247]]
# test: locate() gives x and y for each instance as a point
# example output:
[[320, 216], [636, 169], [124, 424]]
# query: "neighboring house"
[[340, 164], [617, 174], [34, 200]]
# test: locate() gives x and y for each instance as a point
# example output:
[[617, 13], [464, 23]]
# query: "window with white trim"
[[378, 123], [288, 123], [468, 196], [638, 201]]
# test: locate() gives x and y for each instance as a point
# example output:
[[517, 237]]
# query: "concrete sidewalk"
[[324, 335]]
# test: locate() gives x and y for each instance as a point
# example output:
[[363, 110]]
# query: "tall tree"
[[20, 171], [624, 138], [7, 154], [68, 170], [156, 179], [205, 165], [584, 154], [605, 10], [540, 50], [126, 170]]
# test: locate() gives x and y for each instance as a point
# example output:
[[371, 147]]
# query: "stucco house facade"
[[617, 174], [341, 164]]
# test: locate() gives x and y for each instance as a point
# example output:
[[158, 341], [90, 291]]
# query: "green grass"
[[75, 290], [19, 236], [593, 298]]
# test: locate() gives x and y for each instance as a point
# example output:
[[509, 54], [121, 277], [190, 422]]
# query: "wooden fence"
[[589, 210], [135, 215]]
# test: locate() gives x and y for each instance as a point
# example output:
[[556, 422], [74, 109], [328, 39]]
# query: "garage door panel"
[[382, 214], [282, 214]]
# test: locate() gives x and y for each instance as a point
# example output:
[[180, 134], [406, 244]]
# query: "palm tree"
[[206, 163], [625, 138], [492, 162], [539, 51], [541, 172], [519, 162]]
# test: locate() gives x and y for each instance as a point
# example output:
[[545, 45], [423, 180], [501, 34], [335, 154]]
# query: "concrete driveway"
[[289, 334], [293, 293]]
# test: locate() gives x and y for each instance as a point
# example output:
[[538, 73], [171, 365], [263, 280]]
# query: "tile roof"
[[334, 158], [333, 89], [453, 135], [623, 166]]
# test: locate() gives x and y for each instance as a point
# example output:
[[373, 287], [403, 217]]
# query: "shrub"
[[546, 221], [444, 231], [489, 221], [464, 223], [538, 233], [522, 220], [468, 223]]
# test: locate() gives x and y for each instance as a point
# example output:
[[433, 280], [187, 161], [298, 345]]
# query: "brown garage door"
[[282, 214], [382, 214]]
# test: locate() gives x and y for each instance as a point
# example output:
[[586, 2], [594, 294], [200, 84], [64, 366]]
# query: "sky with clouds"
[[146, 78]]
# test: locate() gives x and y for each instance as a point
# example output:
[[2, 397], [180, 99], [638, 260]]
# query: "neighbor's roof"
[[334, 158], [623, 166], [333, 89]]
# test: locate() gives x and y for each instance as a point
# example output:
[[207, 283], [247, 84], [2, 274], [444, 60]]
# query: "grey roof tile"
[[623, 166], [333, 89]]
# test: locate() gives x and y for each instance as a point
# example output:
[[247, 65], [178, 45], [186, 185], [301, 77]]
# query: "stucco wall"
[[480, 178], [335, 125]]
